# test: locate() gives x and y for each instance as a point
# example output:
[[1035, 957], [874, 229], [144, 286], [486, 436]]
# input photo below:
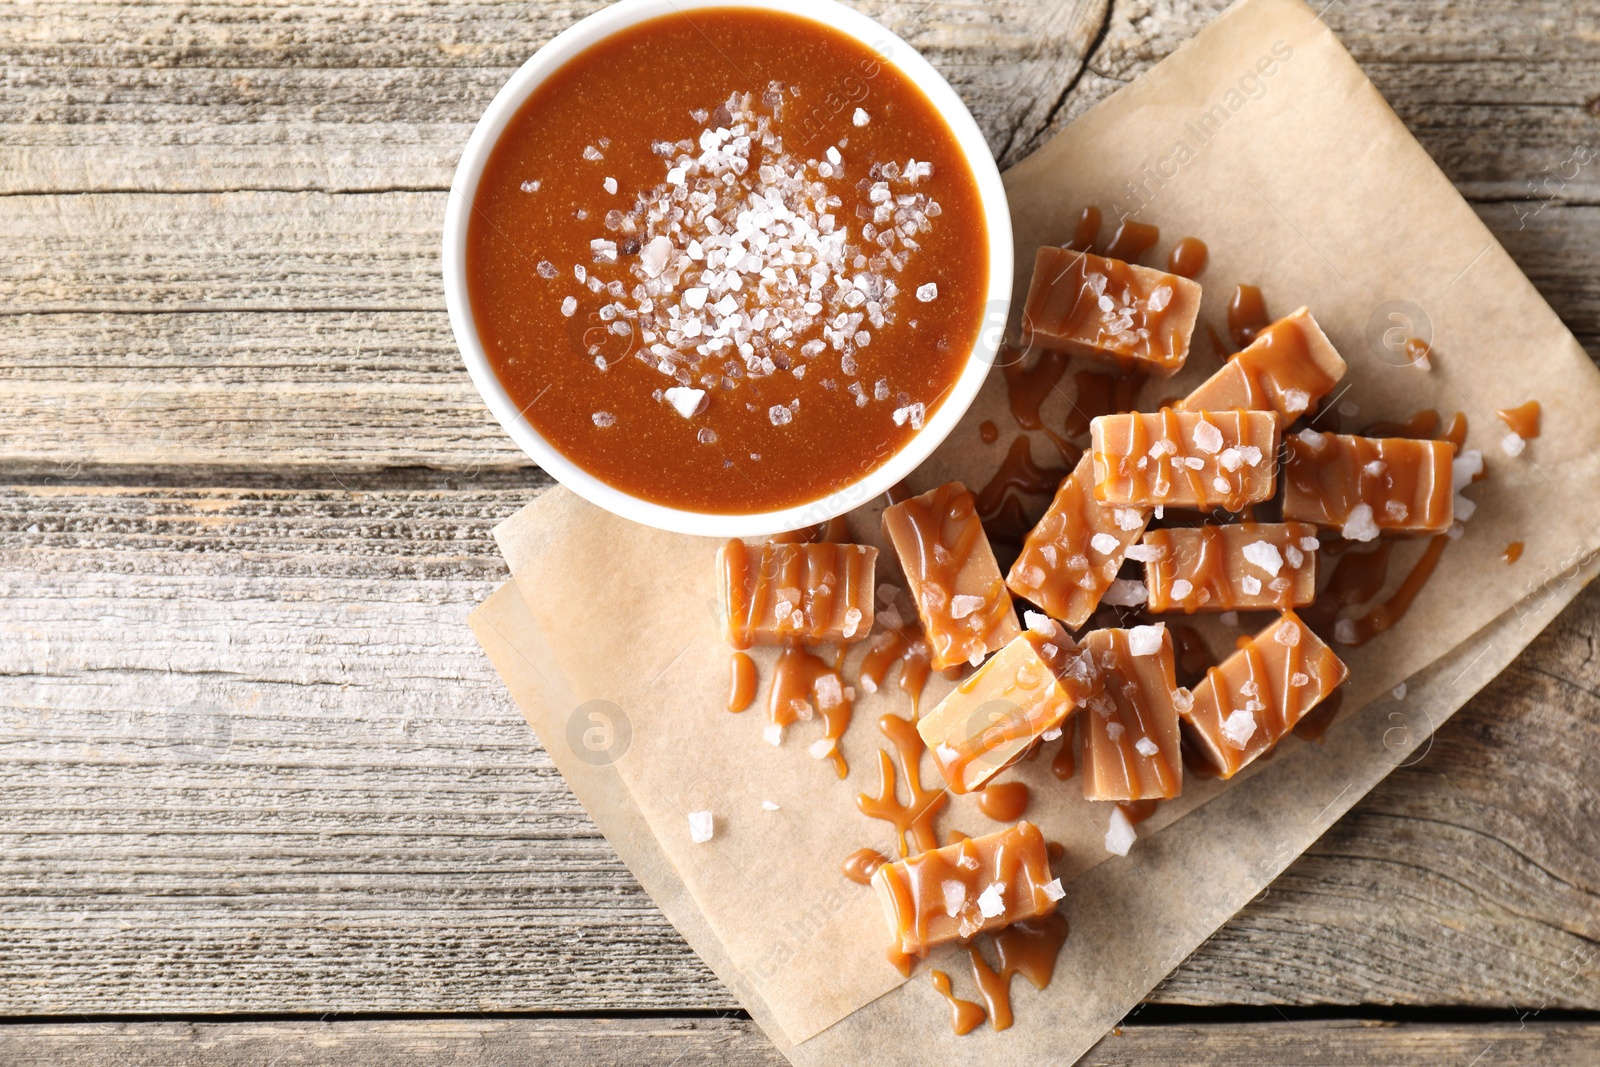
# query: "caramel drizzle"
[[1522, 420], [914, 819], [889, 648], [937, 562], [1391, 611], [1027, 388], [1132, 240], [1277, 362], [1247, 315], [1126, 686], [862, 864], [1188, 257], [1087, 230], [794, 682], [1100, 394], [999, 504], [965, 1016], [742, 681], [1003, 801], [1028, 948]]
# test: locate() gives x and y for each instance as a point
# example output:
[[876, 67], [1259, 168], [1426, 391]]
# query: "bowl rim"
[[892, 50]]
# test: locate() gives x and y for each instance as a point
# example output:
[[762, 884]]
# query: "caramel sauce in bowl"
[[530, 314]]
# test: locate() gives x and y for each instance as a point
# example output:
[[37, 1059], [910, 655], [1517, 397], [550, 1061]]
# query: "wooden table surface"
[[262, 799]]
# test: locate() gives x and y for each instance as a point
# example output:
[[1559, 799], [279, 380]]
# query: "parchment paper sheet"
[[1262, 137]]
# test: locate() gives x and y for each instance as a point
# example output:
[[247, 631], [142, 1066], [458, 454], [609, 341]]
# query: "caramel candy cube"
[[783, 592], [1104, 309], [1132, 749], [1239, 567], [1190, 459], [953, 577], [1245, 705], [959, 891], [1070, 558], [1287, 368], [1026, 690], [1366, 486]]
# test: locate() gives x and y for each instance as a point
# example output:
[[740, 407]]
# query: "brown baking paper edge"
[[629, 613]]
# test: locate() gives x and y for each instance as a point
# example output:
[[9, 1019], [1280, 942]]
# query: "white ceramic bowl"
[[603, 24]]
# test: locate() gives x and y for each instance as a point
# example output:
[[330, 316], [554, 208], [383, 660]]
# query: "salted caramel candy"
[[1237, 567], [1366, 486], [1289, 366], [1255, 696], [1190, 459], [1071, 556], [961, 890], [1131, 744], [1104, 309], [1024, 692], [952, 574], [782, 592]]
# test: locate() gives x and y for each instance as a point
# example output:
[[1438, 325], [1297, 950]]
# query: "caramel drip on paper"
[[1087, 232], [1028, 386], [1137, 811], [742, 683], [1132, 240], [1028, 948], [1391, 611], [1004, 515], [1513, 552], [1522, 420], [1100, 394], [1188, 257], [1064, 765], [862, 864], [1419, 424], [1247, 315], [889, 648], [988, 433], [1003, 801], [794, 681], [965, 1016], [914, 819]]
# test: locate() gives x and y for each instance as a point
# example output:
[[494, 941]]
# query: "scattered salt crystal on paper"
[[1146, 746], [1239, 727], [1104, 543], [860, 118], [1265, 555], [1147, 640], [1207, 438], [1399, 691], [701, 826], [992, 901], [1359, 525], [684, 400], [1345, 632], [772, 734], [1125, 593], [1464, 468], [822, 747], [1120, 835], [767, 805], [1513, 444], [1465, 508]]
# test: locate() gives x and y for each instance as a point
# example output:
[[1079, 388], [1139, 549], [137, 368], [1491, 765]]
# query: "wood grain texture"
[[737, 1043], [252, 761]]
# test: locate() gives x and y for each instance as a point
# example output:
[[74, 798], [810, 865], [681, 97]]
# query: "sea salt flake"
[[780, 415], [822, 747], [1264, 555], [685, 401], [1250, 584], [962, 605], [767, 805], [568, 306], [1513, 444], [1146, 747], [1128, 518], [1312, 438], [860, 118], [1345, 632], [1182, 700], [1115, 730], [1125, 593], [1207, 437], [1120, 834], [1147, 640], [1399, 691], [530, 186], [955, 896], [1465, 468], [992, 901], [1145, 553], [773, 734], [1160, 298], [1359, 524], [830, 691], [1465, 508], [702, 825], [1181, 589], [1239, 727], [1287, 635], [604, 419], [1299, 679], [927, 293], [1053, 890], [1195, 463], [1104, 543]]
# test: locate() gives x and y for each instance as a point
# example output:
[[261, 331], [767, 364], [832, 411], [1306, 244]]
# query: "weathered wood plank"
[[252, 761], [351, 95], [737, 1043]]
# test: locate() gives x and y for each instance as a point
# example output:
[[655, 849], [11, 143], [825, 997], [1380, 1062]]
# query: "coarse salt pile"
[[748, 261]]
